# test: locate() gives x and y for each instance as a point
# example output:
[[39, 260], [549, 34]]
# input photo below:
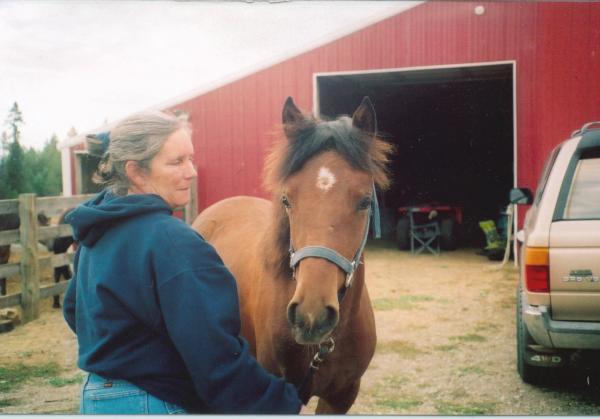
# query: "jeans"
[[111, 397]]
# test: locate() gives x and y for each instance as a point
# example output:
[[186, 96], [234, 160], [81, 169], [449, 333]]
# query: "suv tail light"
[[537, 273]]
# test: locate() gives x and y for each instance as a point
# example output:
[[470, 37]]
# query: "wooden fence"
[[28, 235]]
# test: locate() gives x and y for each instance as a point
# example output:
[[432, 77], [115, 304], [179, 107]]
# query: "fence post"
[[30, 268]]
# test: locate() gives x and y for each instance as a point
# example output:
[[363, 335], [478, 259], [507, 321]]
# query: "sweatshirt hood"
[[93, 218]]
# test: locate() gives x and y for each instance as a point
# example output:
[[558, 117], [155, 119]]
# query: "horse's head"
[[323, 179]]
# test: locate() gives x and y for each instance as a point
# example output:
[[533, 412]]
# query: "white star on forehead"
[[325, 179]]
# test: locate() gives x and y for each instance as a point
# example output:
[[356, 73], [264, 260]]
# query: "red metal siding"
[[567, 70], [556, 47]]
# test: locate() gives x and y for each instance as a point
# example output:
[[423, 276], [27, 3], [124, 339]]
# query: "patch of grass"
[[470, 337], [387, 386], [486, 327], [471, 370], [394, 381], [507, 302], [25, 354], [390, 382], [7, 402], [448, 408], [398, 404], [445, 348], [405, 302], [62, 382], [12, 376], [400, 347], [459, 393]]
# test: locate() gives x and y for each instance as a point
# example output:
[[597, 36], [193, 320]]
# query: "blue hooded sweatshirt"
[[152, 303]]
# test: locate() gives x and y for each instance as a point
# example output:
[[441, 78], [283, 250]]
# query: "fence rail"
[[28, 206]]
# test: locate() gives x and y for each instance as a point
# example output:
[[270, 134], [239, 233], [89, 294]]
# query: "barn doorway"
[[453, 129]]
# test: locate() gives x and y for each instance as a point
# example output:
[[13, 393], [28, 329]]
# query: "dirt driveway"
[[446, 346]]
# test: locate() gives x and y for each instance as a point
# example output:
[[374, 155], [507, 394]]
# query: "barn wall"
[[556, 48]]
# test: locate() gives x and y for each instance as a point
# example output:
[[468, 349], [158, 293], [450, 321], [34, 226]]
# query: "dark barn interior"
[[453, 133]]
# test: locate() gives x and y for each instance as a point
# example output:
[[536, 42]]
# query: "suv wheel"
[[529, 373]]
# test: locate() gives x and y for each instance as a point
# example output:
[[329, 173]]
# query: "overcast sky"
[[81, 63]]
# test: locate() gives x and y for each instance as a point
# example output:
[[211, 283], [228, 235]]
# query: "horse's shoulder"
[[232, 207], [242, 200], [231, 214]]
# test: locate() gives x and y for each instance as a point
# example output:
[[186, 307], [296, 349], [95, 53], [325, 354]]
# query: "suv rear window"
[[584, 198], [546, 174]]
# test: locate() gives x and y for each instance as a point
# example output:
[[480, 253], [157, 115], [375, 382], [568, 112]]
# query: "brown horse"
[[322, 176], [58, 246], [13, 222]]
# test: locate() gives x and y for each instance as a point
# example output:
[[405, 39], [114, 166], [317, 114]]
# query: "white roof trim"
[[398, 8]]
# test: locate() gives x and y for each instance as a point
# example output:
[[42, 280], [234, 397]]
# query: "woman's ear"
[[135, 175]]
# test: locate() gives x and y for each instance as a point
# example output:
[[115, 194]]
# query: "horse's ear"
[[364, 117], [291, 115]]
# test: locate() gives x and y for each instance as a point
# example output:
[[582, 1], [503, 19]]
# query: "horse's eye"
[[364, 203], [285, 202]]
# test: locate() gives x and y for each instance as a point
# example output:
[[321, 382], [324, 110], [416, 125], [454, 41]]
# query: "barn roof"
[[269, 59]]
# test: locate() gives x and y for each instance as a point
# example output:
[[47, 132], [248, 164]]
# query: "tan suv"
[[558, 296]]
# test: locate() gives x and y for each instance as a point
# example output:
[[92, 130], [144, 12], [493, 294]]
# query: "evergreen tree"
[[47, 178], [23, 171], [15, 180], [4, 191], [13, 163], [4, 145], [14, 121]]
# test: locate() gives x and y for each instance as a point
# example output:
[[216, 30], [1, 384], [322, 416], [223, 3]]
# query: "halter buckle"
[[350, 275]]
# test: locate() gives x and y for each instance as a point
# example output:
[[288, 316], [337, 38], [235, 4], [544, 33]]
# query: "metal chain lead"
[[325, 348]]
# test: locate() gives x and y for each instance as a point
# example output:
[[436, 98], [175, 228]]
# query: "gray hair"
[[137, 138]]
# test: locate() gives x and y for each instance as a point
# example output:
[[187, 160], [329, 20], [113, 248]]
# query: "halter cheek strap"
[[349, 267], [325, 253]]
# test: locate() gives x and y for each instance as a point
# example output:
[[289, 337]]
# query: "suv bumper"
[[560, 334]]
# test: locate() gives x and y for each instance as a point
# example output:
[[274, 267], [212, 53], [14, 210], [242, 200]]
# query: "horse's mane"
[[311, 137], [300, 142]]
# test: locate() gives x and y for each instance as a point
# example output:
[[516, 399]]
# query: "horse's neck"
[[352, 297], [275, 245]]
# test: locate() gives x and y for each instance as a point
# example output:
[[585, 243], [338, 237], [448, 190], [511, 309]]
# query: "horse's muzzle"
[[309, 328]]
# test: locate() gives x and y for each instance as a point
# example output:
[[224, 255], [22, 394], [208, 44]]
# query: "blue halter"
[[349, 267]]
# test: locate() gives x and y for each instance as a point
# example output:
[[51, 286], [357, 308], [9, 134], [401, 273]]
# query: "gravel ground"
[[446, 346]]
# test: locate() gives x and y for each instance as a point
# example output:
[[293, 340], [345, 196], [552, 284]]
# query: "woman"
[[154, 309]]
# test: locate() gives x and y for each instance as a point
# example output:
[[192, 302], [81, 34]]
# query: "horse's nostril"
[[291, 313], [332, 315]]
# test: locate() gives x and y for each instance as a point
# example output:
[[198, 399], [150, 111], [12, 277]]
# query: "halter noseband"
[[349, 267]]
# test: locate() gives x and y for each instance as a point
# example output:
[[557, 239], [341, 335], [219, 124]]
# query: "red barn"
[[474, 95]]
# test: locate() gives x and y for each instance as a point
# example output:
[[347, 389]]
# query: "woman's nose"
[[190, 170]]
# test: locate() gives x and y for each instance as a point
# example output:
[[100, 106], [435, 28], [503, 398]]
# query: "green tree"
[[13, 164], [15, 170], [4, 191], [14, 121], [27, 170], [45, 169], [3, 144]]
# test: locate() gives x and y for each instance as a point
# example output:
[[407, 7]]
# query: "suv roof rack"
[[585, 128]]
